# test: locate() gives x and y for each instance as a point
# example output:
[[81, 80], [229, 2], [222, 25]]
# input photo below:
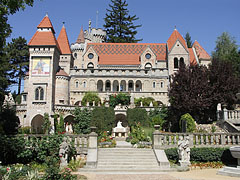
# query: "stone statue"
[[184, 151], [70, 129], [63, 152], [8, 100], [141, 104], [66, 127], [151, 104], [94, 103], [119, 124], [219, 107]]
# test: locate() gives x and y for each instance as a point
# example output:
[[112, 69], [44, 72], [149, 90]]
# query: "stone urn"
[[235, 151]]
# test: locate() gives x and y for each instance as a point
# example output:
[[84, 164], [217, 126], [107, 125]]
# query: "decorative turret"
[[81, 38]]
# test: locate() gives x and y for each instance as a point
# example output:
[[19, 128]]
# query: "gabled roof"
[[201, 53], [81, 38], [63, 41], [61, 72], [46, 23], [192, 57], [125, 53], [173, 38]]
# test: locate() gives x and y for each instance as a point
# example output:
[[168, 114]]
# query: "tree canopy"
[[197, 90], [188, 40], [227, 50], [119, 24], [18, 57]]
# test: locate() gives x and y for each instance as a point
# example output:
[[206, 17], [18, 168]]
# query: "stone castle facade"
[[60, 74]]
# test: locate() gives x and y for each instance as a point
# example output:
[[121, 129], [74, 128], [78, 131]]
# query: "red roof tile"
[[46, 23], [125, 53], [61, 72], [193, 60], [81, 38], [43, 38], [63, 42], [173, 38], [201, 53]]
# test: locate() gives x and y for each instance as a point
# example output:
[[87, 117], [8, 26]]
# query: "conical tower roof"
[[64, 42], [173, 38], [46, 23], [81, 38]]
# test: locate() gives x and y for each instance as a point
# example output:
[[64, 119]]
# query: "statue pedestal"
[[120, 131], [184, 163]]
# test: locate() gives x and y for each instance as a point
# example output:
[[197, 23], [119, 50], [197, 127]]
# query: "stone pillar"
[[225, 113], [157, 138], [191, 140], [92, 149]]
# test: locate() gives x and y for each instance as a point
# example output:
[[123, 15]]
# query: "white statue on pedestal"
[[119, 124], [184, 151]]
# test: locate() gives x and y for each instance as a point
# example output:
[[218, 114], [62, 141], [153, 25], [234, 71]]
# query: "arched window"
[[39, 93], [148, 66], [175, 62], [84, 84], [161, 84], [181, 61], [76, 84], [154, 84], [90, 66]]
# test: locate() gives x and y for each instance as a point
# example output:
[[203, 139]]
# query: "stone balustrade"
[[230, 115], [170, 140]]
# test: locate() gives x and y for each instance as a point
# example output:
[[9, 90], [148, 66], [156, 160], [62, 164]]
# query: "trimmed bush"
[[90, 97], [103, 118], [121, 98], [190, 123], [205, 154], [138, 115]]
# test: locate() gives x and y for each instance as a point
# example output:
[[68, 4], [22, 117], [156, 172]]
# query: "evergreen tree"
[[119, 24], [18, 56], [227, 50], [188, 40]]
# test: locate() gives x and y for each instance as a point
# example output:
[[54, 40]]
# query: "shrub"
[[60, 127], [24, 130], [90, 97], [205, 154], [82, 120], [138, 115], [46, 123], [103, 118], [121, 98], [145, 101], [138, 134], [190, 123]]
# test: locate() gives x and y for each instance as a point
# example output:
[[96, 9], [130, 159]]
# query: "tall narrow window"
[[39, 93], [76, 84], [154, 84], [84, 84], [181, 61], [175, 62], [161, 84]]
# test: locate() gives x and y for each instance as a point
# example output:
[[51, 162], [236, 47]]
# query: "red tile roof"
[[61, 72], [193, 60], [125, 53], [81, 38], [201, 53], [46, 23], [63, 42], [43, 38], [173, 38]]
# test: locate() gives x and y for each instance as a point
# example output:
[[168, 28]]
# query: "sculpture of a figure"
[[70, 130], [67, 127], [8, 100], [184, 151], [63, 152], [141, 104], [119, 124]]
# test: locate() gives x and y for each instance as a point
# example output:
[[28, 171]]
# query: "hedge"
[[205, 154]]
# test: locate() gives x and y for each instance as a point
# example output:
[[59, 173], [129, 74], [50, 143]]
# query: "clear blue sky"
[[205, 20]]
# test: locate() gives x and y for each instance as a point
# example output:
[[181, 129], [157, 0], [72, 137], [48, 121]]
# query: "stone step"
[[127, 166], [128, 163], [127, 157], [128, 160], [125, 149]]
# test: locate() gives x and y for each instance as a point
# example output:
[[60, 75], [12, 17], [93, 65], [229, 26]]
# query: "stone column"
[[92, 149], [225, 113], [157, 138]]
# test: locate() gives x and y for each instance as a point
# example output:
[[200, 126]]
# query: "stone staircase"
[[126, 160]]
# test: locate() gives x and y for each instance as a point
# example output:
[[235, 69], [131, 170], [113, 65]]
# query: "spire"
[[46, 23], [44, 36], [173, 38], [81, 38], [63, 41]]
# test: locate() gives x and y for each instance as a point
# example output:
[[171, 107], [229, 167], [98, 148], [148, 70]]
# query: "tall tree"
[[188, 40], [197, 90], [227, 50], [18, 56], [119, 24]]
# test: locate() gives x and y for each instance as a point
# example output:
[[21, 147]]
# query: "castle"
[[60, 74]]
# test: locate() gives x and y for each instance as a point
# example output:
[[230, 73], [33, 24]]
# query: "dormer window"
[[148, 56], [90, 55], [148, 66]]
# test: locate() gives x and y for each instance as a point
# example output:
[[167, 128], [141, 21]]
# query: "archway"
[[115, 86], [36, 124], [69, 120], [122, 118], [123, 85], [108, 85], [100, 85], [138, 85]]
